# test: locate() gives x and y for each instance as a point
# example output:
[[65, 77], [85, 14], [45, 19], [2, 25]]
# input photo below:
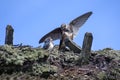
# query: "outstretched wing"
[[78, 22], [54, 34]]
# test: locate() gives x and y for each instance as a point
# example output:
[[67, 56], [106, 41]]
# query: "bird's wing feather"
[[78, 22], [54, 34]]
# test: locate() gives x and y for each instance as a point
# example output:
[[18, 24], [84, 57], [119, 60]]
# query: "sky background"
[[32, 19]]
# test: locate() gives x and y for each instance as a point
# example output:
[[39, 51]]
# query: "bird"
[[48, 44], [67, 30]]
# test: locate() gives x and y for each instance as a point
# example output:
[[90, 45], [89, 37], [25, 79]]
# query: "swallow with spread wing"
[[67, 30]]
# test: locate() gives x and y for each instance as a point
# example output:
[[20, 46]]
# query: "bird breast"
[[51, 45], [68, 35]]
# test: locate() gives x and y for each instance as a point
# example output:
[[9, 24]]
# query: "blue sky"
[[31, 19]]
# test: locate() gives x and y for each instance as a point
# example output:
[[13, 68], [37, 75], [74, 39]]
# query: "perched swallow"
[[67, 31], [48, 44]]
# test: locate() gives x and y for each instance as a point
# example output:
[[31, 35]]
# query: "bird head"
[[48, 40], [65, 28]]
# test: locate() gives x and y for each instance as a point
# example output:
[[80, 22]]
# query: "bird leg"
[[62, 44]]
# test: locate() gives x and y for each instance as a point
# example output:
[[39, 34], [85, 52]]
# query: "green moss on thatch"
[[17, 62], [110, 53], [19, 55]]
